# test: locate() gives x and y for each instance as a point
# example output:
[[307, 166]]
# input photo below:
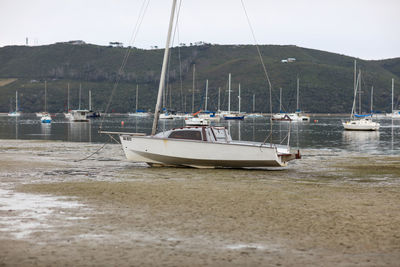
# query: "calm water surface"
[[320, 133]]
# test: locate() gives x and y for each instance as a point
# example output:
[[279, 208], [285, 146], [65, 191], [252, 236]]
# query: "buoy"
[[122, 123]]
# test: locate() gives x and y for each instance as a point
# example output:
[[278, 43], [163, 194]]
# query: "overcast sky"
[[368, 29]]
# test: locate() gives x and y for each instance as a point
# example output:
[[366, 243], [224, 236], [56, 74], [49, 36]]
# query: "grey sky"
[[368, 29]]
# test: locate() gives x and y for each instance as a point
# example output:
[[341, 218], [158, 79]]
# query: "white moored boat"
[[359, 122], [297, 116], [364, 124], [15, 113], [79, 115], [203, 147], [195, 121], [198, 146], [395, 112]]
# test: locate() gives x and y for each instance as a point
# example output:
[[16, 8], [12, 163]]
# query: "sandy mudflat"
[[329, 209]]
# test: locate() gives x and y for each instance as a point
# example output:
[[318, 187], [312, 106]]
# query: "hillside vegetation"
[[326, 79]]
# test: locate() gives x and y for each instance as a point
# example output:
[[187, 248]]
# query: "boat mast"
[[372, 99], [68, 99], [163, 70], [297, 104], [254, 103], [280, 100], [45, 96], [355, 90], [229, 94], [194, 77], [239, 97], [137, 94], [392, 93], [16, 101], [90, 100], [80, 91], [205, 107], [359, 93]]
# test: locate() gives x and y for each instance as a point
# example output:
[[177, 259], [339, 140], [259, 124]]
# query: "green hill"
[[326, 79]]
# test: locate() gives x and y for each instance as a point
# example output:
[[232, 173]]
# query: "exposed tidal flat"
[[334, 207]]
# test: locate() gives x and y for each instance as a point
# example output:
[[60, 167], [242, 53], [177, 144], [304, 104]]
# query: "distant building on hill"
[[76, 42], [116, 44], [289, 59]]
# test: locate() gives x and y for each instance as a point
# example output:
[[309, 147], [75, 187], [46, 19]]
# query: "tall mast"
[[16, 101], [297, 104], [392, 93], [68, 99], [193, 88], [45, 96], [205, 106], [254, 103], [239, 97], [137, 94], [372, 99], [355, 73], [280, 99], [359, 93], [163, 70], [229, 93], [353, 109], [80, 91], [90, 100]]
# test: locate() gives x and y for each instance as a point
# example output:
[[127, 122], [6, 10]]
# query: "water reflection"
[[80, 131], [361, 140], [323, 133], [45, 130], [16, 127]]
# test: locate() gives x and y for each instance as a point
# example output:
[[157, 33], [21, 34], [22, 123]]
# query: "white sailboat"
[[395, 112], [138, 112], [45, 118], [198, 146], [15, 113], [297, 116], [281, 116], [254, 114], [202, 117], [358, 122], [68, 114], [79, 115], [232, 115]]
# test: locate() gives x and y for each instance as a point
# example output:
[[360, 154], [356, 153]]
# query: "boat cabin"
[[79, 115], [198, 133]]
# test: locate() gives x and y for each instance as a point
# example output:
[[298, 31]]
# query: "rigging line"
[[132, 40], [180, 68], [263, 65], [170, 51], [124, 61], [179, 53]]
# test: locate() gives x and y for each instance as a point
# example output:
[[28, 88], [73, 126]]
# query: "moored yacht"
[[198, 146], [358, 122], [203, 147]]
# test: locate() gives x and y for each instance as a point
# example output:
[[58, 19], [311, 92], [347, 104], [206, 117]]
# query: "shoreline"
[[328, 209]]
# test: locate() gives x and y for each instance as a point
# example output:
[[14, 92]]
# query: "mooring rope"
[[264, 67], [134, 34]]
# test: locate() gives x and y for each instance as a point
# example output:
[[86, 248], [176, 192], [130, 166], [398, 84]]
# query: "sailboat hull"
[[361, 125], [199, 154]]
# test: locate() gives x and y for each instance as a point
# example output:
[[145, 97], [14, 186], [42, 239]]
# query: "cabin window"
[[220, 134], [189, 135]]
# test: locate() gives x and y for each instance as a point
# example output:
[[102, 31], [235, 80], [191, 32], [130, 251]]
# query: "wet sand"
[[328, 209]]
